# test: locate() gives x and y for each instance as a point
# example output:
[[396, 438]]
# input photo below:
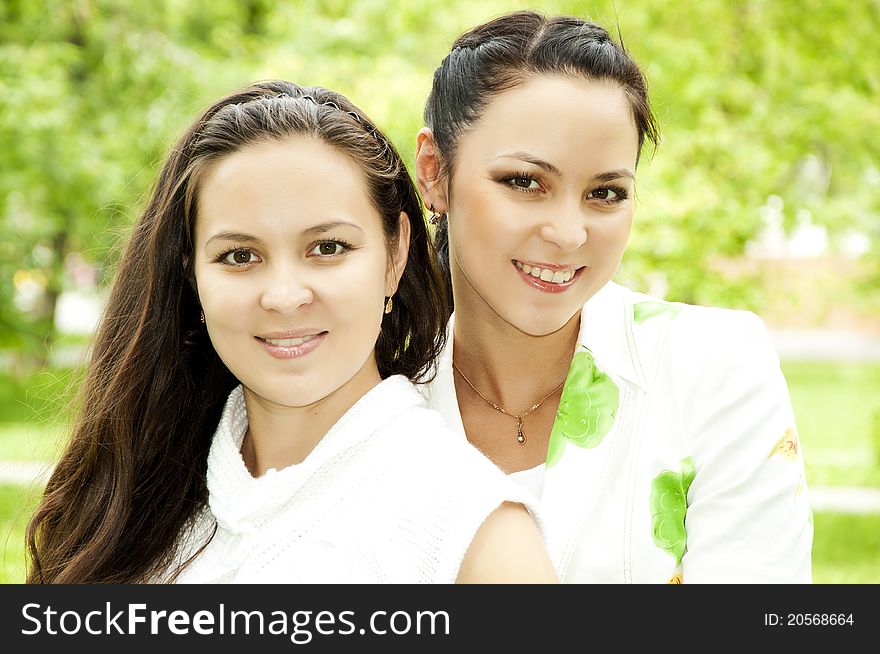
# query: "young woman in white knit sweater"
[[247, 414]]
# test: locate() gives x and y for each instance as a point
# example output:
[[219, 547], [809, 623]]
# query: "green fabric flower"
[[669, 507], [645, 310], [586, 410]]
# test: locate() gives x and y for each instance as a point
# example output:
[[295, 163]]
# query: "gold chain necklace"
[[520, 436]]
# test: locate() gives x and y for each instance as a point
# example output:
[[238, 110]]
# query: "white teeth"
[[554, 277], [289, 342]]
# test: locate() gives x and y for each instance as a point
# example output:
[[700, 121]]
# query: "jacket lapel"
[[588, 440]]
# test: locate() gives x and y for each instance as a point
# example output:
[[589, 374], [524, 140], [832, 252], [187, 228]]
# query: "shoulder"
[[424, 437], [692, 334], [412, 433], [423, 452], [647, 335], [507, 548], [719, 367], [687, 320], [704, 338]]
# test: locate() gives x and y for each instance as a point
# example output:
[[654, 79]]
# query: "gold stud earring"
[[202, 317], [388, 305]]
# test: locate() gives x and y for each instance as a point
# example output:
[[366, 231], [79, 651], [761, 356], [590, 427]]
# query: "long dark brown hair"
[[133, 473], [504, 53]]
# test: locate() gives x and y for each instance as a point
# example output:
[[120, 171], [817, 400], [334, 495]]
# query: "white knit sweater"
[[389, 495]]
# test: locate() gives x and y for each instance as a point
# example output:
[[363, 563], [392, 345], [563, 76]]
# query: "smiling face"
[[292, 269], [540, 201]]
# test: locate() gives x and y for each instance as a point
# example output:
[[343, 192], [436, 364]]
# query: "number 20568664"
[[808, 619]]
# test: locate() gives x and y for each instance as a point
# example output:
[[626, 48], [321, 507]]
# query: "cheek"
[[611, 231], [220, 296], [482, 223], [354, 288]]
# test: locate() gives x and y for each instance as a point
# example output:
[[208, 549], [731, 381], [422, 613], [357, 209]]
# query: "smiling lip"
[[291, 344], [545, 285]]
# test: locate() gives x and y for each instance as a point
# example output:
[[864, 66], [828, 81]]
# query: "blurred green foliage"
[[753, 98]]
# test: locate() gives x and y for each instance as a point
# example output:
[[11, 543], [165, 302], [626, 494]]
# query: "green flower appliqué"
[[668, 508], [645, 310], [586, 410]]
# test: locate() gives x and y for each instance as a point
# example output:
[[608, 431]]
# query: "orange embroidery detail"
[[787, 446]]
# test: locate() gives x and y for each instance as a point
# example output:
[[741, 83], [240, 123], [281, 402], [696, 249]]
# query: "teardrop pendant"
[[520, 436]]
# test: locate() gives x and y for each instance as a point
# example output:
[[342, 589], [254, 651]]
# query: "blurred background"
[[764, 194]]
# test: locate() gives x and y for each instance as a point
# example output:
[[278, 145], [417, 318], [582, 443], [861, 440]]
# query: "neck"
[[508, 366], [279, 436]]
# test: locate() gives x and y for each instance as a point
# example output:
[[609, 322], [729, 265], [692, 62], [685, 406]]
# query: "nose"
[[565, 228], [285, 293]]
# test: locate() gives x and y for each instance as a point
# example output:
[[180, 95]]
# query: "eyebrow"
[[323, 228], [528, 158], [549, 167], [232, 236], [317, 230], [611, 175]]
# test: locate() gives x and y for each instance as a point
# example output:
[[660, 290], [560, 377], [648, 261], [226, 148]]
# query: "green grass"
[[846, 549], [837, 408], [16, 505]]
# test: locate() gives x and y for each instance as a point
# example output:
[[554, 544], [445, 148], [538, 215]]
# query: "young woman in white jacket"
[[658, 436]]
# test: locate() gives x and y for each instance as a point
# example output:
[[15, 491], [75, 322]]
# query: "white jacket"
[[674, 455]]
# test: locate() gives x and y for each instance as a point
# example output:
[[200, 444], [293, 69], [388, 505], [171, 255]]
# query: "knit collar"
[[240, 502]]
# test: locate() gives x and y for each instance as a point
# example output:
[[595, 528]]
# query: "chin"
[[540, 324], [286, 393]]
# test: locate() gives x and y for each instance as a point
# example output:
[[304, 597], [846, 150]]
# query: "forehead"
[[290, 182], [558, 118]]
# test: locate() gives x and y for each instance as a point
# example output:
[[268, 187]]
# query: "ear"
[[399, 256], [190, 275], [431, 182]]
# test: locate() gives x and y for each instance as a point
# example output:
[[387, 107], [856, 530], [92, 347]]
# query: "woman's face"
[[541, 200], [292, 270]]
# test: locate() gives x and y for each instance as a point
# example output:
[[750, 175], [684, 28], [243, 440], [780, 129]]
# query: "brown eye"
[[240, 257], [330, 249], [522, 183], [608, 195]]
